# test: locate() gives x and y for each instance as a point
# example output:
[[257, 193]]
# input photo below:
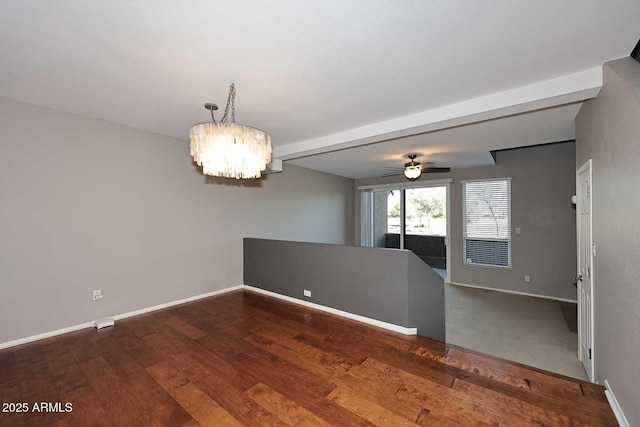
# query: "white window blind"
[[486, 217]]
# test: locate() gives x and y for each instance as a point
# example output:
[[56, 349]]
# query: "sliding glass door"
[[426, 224], [387, 222], [413, 218]]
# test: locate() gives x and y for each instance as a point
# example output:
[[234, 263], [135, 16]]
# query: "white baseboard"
[[513, 292], [615, 406], [91, 324], [177, 302], [44, 335], [389, 326]]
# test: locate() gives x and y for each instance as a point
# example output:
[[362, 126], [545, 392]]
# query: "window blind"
[[487, 222]]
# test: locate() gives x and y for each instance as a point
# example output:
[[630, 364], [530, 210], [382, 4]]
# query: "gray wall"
[[426, 299], [608, 131], [543, 181], [390, 285], [87, 204]]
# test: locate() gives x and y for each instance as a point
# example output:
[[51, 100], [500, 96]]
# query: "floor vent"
[[104, 323]]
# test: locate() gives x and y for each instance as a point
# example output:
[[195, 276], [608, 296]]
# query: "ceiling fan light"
[[412, 172]]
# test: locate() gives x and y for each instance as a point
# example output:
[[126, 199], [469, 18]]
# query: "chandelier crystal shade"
[[229, 150]]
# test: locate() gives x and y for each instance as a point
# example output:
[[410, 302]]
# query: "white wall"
[[87, 204], [608, 131]]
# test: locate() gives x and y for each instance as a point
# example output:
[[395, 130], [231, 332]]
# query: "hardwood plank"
[[184, 328], [289, 314], [378, 391], [81, 346], [8, 367], [202, 408], [73, 386], [298, 385], [543, 411], [506, 372], [247, 411], [36, 384], [142, 325], [336, 369], [224, 369], [436, 372], [426, 418], [465, 362], [262, 364], [165, 342], [246, 359], [593, 392], [579, 406], [324, 365], [112, 393], [438, 399], [368, 410], [354, 356], [195, 401], [189, 367], [285, 409], [10, 393], [159, 407], [194, 314]]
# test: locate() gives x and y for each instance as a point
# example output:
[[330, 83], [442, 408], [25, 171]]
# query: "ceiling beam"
[[563, 90]]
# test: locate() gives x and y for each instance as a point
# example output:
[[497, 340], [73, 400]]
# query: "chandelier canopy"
[[227, 149]]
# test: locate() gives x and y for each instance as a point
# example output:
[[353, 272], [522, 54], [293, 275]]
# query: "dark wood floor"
[[245, 359]]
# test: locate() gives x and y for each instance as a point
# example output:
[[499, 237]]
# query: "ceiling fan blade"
[[392, 174], [435, 170], [391, 168]]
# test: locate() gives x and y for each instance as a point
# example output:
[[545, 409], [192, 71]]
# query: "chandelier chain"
[[231, 101]]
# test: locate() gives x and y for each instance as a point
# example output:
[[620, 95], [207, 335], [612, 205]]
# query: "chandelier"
[[227, 149], [412, 169]]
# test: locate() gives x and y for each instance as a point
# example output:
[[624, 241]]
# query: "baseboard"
[[177, 302], [45, 335], [615, 406], [91, 324], [389, 326], [513, 292]]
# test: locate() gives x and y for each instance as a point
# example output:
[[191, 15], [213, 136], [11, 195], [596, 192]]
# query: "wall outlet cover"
[[307, 293]]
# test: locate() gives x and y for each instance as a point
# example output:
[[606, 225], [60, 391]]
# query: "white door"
[[585, 268]]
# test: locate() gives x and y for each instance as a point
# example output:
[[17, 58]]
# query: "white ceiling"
[[319, 75], [458, 147]]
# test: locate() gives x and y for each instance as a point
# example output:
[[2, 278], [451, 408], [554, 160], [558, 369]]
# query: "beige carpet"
[[524, 329]]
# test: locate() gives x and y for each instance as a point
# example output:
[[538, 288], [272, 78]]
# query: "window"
[[486, 226]]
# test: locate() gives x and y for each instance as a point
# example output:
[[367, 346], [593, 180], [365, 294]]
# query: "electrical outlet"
[[527, 278], [307, 293], [97, 294], [518, 230]]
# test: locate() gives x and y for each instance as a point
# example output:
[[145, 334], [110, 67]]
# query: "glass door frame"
[[366, 210]]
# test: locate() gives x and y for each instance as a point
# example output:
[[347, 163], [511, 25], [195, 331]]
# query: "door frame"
[[366, 226], [586, 167]]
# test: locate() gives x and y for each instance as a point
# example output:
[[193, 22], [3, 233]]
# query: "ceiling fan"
[[412, 169]]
